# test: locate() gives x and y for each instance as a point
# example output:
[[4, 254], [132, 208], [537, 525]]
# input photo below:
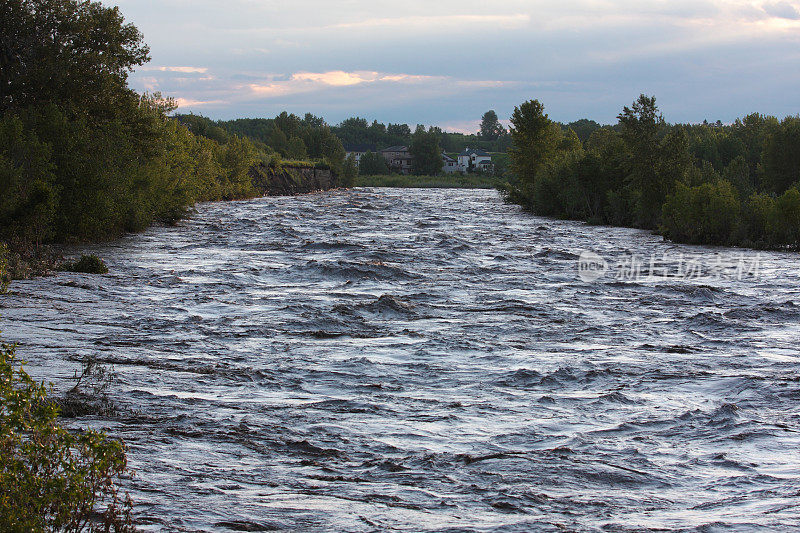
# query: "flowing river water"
[[430, 360]]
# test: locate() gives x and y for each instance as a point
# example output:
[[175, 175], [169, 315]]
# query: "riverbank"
[[25, 261], [449, 181]]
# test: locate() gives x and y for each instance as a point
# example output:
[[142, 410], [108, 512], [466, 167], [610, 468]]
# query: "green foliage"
[[534, 139], [640, 125], [687, 180], [781, 156], [5, 278], [87, 264], [81, 155], [584, 128], [373, 164], [491, 129], [707, 214], [349, 172], [287, 135], [51, 479], [73, 54], [28, 191], [787, 219], [426, 152]]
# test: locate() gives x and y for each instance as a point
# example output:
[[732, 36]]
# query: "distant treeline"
[[291, 136], [705, 184], [286, 136]]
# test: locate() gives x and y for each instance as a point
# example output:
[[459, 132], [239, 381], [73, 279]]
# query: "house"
[[485, 166], [469, 159], [358, 150], [398, 158], [449, 165]]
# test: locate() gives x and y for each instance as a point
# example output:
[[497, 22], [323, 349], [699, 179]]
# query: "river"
[[432, 360]]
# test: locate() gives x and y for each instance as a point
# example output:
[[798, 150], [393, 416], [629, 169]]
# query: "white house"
[[398, 158], [358, 150], [449, 165], [475, 157]]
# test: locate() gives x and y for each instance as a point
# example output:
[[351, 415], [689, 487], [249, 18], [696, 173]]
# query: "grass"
[[449, 181]]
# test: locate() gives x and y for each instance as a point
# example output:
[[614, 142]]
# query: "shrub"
[[51, 479], [706, 214], [787, 222], [759, 217], [4, 276], [87, 264]]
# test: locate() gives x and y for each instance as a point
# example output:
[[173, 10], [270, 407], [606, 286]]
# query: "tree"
[[534, 140], [296, 149], [399, 130], [75, 54], [640, 125], [584, 128], [349, 171], [491, 129], [781, 157], [373, 164], [332, 150], [313, 121], [426, 152]]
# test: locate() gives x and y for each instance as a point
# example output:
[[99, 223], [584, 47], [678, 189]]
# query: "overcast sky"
[[447, 62]]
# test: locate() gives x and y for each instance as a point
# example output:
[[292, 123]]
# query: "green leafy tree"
[[707, 214], [28, 193], [640, 125], [373, 164], [399, 130], [5, 277], [781, 156], [534, 140], [491, 129], [332, 150], [426, 152], [75, 54], [584, 128], [296, 149], [738, 173], [349, 171]]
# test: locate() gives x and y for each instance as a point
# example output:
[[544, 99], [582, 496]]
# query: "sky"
[[445, 63]]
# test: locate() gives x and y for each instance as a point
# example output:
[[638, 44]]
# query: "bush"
[[50, 479], [87, 264], [787, 222], [706, 214], [759, 217], [5, 279]]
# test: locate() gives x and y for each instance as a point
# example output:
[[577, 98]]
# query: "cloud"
[[183, 70], [336, 77], [783, 10], [302, 82], [449, 61], [439, 22], [184, 102]]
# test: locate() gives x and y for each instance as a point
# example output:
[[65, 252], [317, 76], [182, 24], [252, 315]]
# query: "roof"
[[470, 151], [396, 149], [447, 157], [360, 148], [485, 162]]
